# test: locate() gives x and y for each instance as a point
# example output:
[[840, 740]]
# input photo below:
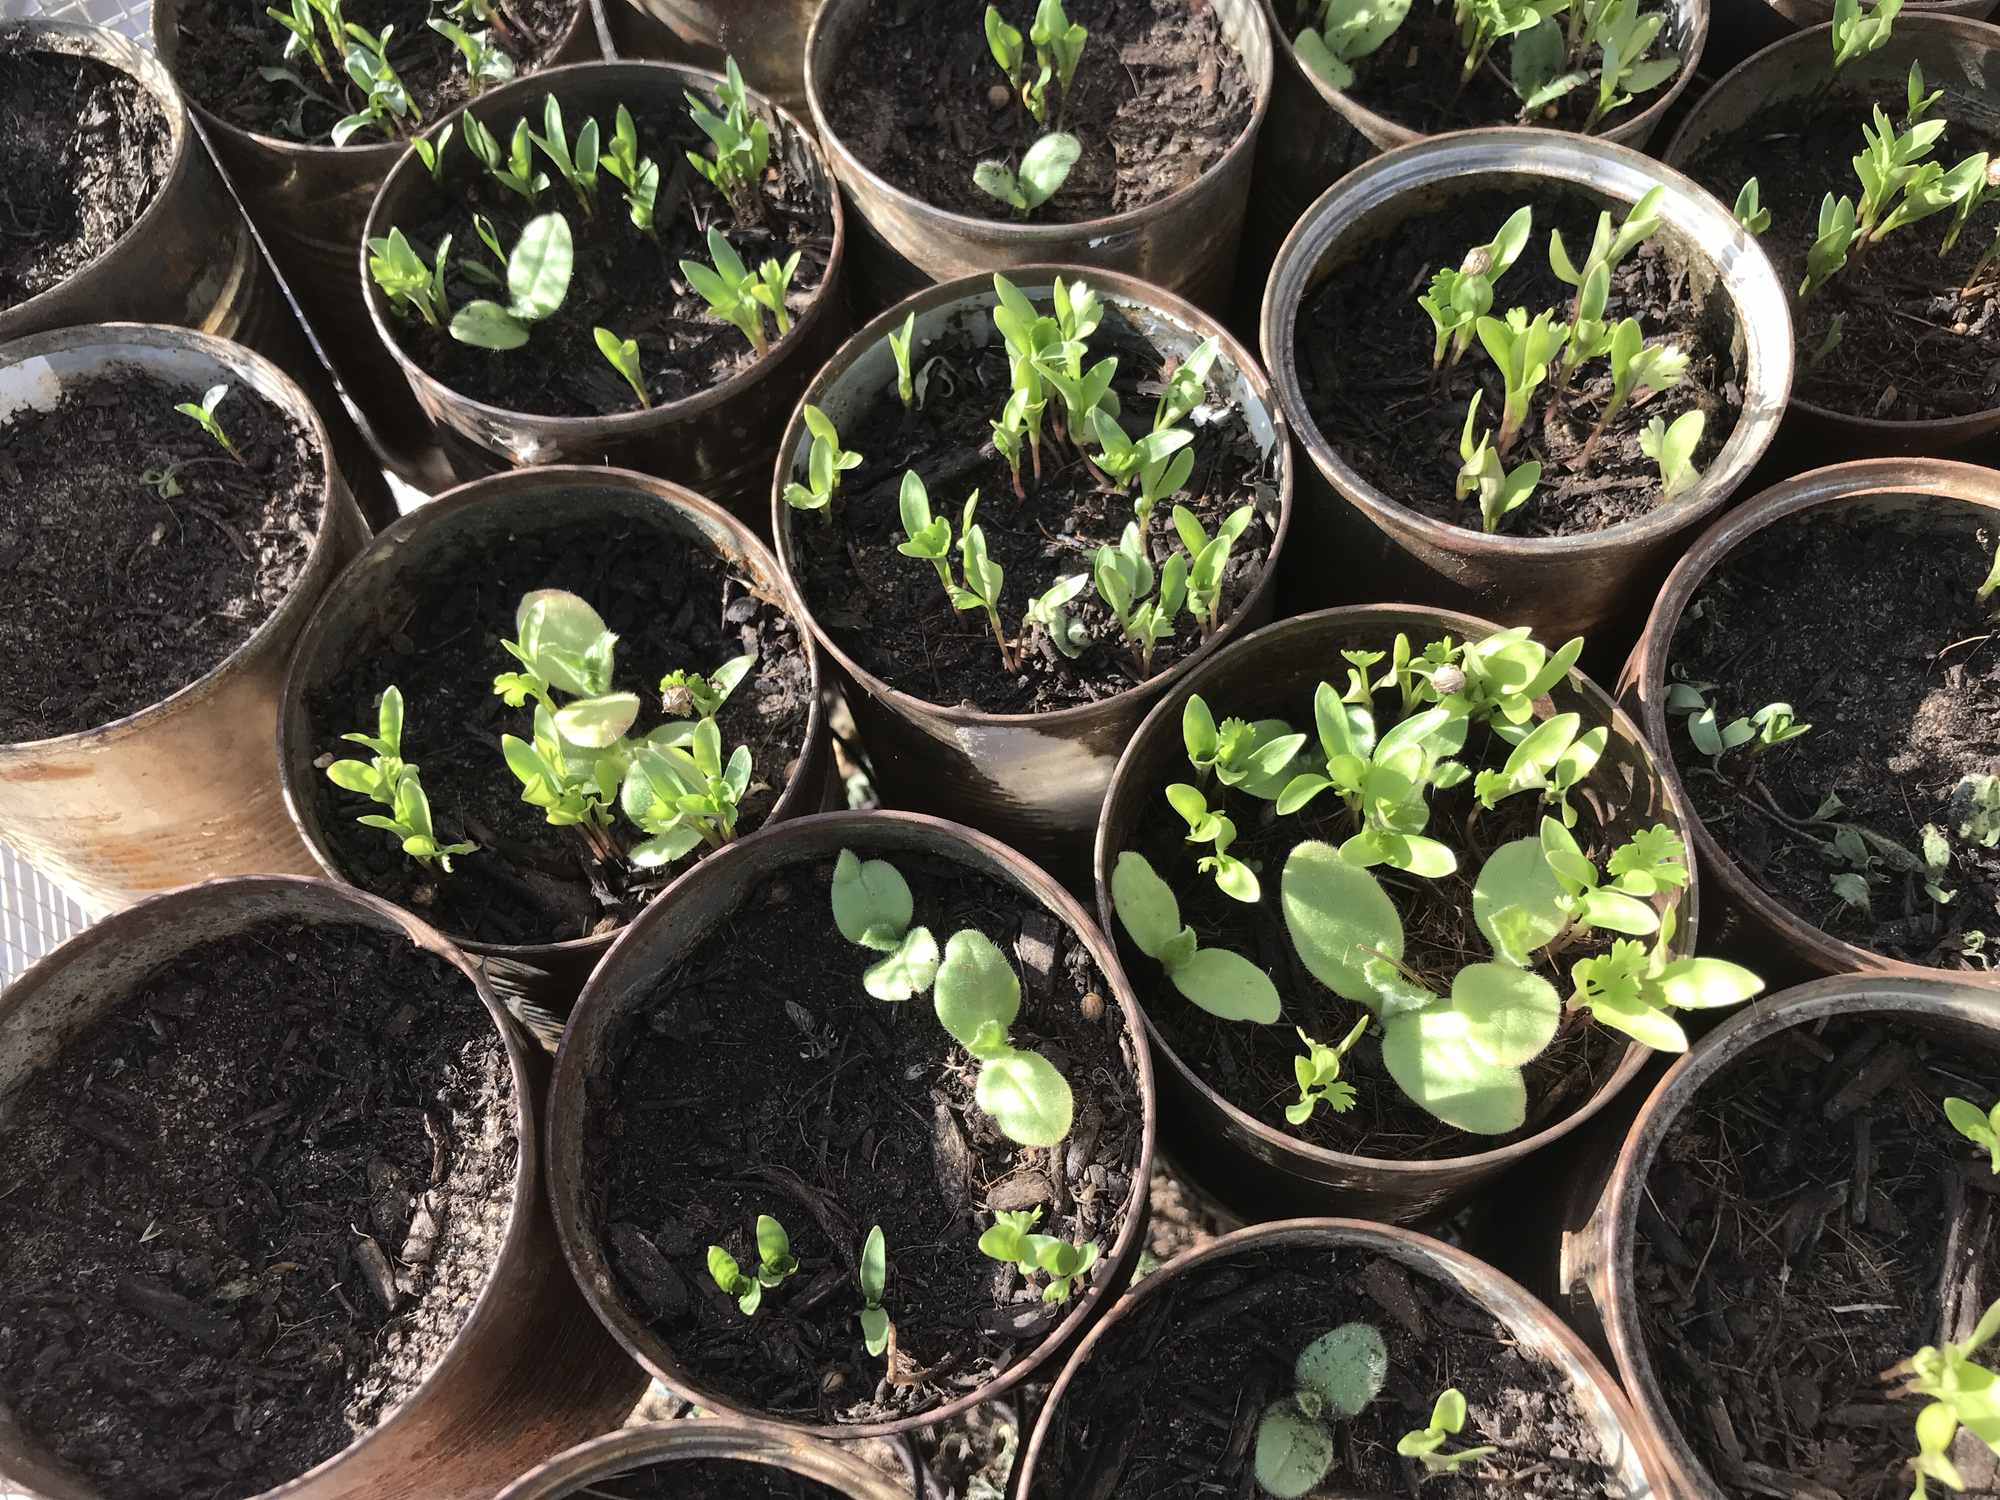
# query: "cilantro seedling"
[[1336, 1376], [727, 289], [1160, 460], [301, 19], [1961, 1394], [1318, 1075], [1856, 32], [925, 536], [538, 277], [877, 1332], [623, 356], [575, 165], [900, 344], [202, 414], [977, 997], [826, 461], [1827, 254], [1672, 448], [872, 908], [1020, 418], [1636, 990], [486, 61], [1608, 245], [1186, 385], [739, 142], [1769, 727], [393, 782], [406, 281], [775, 1263], [1044, 168], [1521, 351], [1427, 1444], [1347, 31], [514, 169], [1124, 579], [683, 692], [1049, 612], [1499, 490], [1207, 825], [386, 104], [1554, 758], [1457, 299], [1011, 1241], [1210, 556], [1749, 211], [1981, 1127], [1255, 757], [638, 176], [1483, 23]]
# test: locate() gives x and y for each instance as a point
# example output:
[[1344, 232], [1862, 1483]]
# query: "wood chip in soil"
[[1911, 346], [672, 606], [889, 612], [1811, 1220], [1364, 353], [624, 279], [759, 1078], [122, 589], [1167, 1406], [1159, 97], [87, 152], [243, 1215], [1868, 626], [224, 48]]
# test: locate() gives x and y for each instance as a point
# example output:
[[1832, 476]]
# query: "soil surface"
[[889, 612], [243, 1215], [709, 1479], [1364, 352], [225, 46], [1252, 1066], [623, 279], [761, 1078], [1159, 97], [125, 587], [1790, 617], [1167, 1406], [1810, 1222], [530, 882], [87, 151], [1910, 346], [1417, 78]]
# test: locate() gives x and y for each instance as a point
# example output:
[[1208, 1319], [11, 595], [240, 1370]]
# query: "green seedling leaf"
[[1022, 1091], [908, 971], [1294, 1451], [975, 986], [1346, 1368], [871, 902], [1339, 918]]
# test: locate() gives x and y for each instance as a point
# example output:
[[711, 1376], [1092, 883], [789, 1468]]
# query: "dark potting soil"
[[1810, 1222], [889, 612], [1252, 1066], [709, 1479], [1364, 353], [1159, 97], [530, 882], [761, 1078], [1911, 347], [1868, 627], [1167, 1406], [623, 279], [225, 46], [245, 1213], [87, 151], [119, 594], [1415, 78]]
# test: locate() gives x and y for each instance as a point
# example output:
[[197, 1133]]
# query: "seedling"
[[514, 169], [1540, 71], [1635, 366], [1521, 350], [1335, 1377], [775, 1263], [1208, 825], [1609, 246], [638, 176], [1458, 299], [1961, 1394], [1347, 31], [298, 20], [1318, 1074], [1009, 50], [538, 276], [925, 536], [1482, 23], [202, 413], [1975, 805], [727, 289], [900, 342], [623, 356], [1750, 213], [739, 141], [1991, 586], [486, 61], [1500, 490], [771, 285], [392, 781], [1981, 1127], [432, 156], [1211, 559], [872, 908], [1044, 169], [1769, 727], [1049, 612], [1673, 448], [1427, 1444], [1636, 991], [578, 166], [406, 281], [1058, 45], [1917, 103], [1624, 72], [877, 1332], [1554, 758], [683, 692], [1255, 757], [977, 997], [386, 103], [826, 461], [1159, 460], [1124, 580], [1011, 1241], [1856, 33], [983, 580], [681, 795], [1225, 984]]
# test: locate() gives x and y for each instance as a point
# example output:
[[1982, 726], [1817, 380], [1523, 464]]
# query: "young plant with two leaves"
[[1058, 47], [386, 778]]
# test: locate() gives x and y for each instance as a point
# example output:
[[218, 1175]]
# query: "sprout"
[[739, 142], [486, 62], [1347, 31], [1043, 170], [202, 413], [390, 780], [872, 908], [638, 175], [1011, 1242], [406, 281], [1318, 1075], [1500, 490], [1426, 1444], [900, 341], [877, 1332], [1049, 612], [826, 461], [1749, 212], [683, 692], [386, 103], [977, 997], [730, 289], [1458, 299], [1856, 34], [1224, 984], [538, 277], [1208, 825], [1210, 556], [1981, 1127], [775, 1263], [1672, 448], [623, 356], [515, 170], [1336, 1376], [1521, 351], [1961, 1393]]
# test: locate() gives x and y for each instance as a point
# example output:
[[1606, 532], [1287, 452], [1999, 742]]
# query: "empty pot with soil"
[[479, 609], [274, 1218], [1110, 569], [157, 579], [851, 1129], [1390, 864], [1818, 678], [1796, 1213], [115, 211], [651, 315], [706, 1459], [1539, 464], [1331, 1357], [307, 141], [1132, 152], [1899, 341]]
